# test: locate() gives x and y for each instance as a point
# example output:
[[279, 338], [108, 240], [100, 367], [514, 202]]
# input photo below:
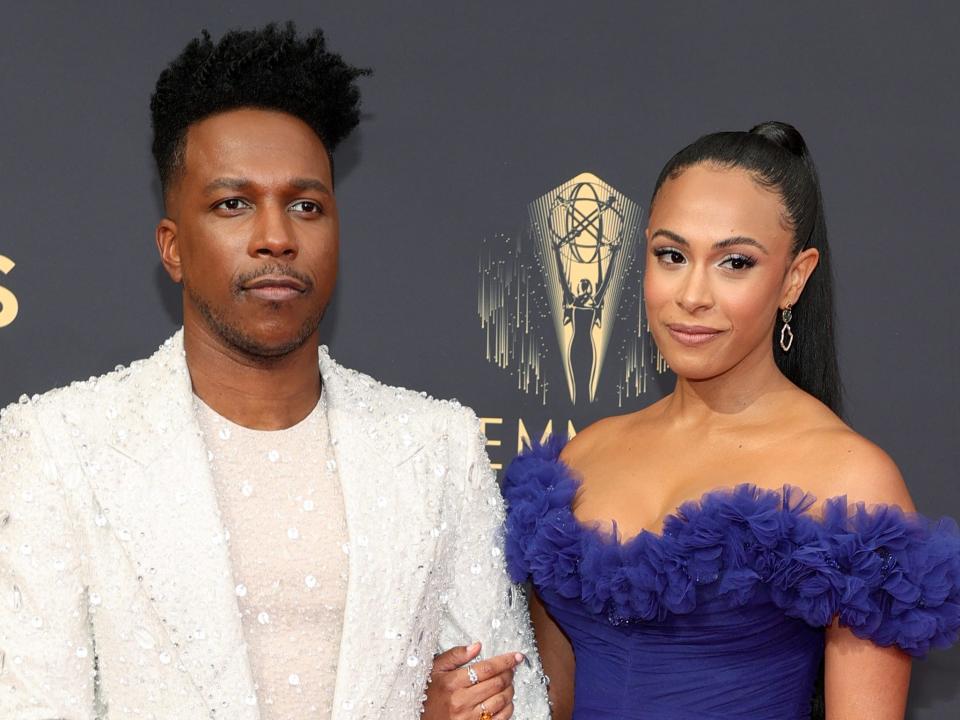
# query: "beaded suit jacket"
[[117, 592]]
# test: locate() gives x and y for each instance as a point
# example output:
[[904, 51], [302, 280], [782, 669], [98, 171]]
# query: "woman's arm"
[[863, 681], [556, 655]]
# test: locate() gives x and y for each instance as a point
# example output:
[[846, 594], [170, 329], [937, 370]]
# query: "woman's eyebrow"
[[719, 245], [740, 240]]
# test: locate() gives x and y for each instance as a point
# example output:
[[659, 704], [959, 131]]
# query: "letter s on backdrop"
[[9, 307]]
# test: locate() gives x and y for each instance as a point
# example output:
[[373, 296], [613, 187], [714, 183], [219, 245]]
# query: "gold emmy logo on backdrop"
[[573, 274], [9, 307]]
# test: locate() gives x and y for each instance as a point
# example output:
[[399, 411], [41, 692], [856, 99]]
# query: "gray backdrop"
[[473, 113]]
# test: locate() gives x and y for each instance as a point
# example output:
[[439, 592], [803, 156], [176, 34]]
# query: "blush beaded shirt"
[[282, 508]]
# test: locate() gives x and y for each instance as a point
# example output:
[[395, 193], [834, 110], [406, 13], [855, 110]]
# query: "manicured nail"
[[519, 658], [474, 646]]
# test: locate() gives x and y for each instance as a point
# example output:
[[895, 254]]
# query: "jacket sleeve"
[[46, 649], [483, 604]]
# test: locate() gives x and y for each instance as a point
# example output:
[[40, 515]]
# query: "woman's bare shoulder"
[[846, 463], [608, 434]]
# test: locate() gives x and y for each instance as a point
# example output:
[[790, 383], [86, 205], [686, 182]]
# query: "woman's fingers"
[[456, 690], [455, 657], [488, 682], [494, 693], [500, 706], [481, 671]]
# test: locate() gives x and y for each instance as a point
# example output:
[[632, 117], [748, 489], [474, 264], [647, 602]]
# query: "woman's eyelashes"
[[734, 261], [669, 256], [738, 262]]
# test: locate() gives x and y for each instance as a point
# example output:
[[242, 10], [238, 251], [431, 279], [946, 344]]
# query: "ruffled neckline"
[[889, 575], [790, 498]]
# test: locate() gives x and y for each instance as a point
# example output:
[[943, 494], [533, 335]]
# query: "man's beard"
[[234, 336]]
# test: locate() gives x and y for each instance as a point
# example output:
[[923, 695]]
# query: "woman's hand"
[[456, 693]]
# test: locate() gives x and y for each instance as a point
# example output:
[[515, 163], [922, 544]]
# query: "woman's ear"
[[798, 273]]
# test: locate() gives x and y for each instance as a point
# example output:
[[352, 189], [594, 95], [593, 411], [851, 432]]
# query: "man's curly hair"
[[269, 69]]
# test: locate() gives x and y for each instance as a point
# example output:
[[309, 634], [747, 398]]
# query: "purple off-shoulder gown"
[[722, 615]]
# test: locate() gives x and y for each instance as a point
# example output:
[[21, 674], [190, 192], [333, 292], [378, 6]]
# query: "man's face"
[[252, 231]]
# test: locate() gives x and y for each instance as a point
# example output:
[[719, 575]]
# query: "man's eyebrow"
[[225, 183], [240, 183], [310, 184], [719, 245]]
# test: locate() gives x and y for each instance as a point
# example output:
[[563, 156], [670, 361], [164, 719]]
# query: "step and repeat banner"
[[494, 198]]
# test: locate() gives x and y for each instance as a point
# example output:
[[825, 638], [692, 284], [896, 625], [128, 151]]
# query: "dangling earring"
[[786, 334]]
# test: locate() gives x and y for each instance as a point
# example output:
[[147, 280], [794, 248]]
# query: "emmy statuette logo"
[[556, 300], [9, 307], [586, 234], [560, 304]]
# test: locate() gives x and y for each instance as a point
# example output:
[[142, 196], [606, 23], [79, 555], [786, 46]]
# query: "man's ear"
[[799, 272], [168, 244]]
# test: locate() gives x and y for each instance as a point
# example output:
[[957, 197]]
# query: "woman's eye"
[[232, 204], [307, 206], [738, 262], [669, 256]]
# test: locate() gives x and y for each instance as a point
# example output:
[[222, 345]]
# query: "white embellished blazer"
[[116, 592]]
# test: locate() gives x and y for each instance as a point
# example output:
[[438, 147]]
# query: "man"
[[228, 529]]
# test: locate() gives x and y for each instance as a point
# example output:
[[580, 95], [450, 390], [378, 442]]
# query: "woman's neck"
[[746, 393]]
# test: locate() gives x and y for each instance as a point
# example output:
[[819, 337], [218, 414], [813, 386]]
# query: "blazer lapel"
[[154, 488], [391, 512]]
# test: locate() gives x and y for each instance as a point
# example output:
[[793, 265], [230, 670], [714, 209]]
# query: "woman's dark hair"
[[775, 154], [271, 69]]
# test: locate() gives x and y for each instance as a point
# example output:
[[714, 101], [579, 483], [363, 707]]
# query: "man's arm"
[[483, 604], [46, 650]]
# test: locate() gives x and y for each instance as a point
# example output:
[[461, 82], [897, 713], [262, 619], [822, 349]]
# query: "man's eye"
[[307, 206], [232, 204]]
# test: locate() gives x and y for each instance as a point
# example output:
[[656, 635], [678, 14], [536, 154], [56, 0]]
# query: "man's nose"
[[274, 235]]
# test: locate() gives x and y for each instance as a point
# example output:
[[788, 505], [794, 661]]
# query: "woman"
[[726, 606]]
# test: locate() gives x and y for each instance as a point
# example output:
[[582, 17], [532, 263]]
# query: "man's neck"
[[260, 394]]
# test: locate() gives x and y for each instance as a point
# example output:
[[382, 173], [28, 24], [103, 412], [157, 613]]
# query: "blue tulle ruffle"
[[890, 576]]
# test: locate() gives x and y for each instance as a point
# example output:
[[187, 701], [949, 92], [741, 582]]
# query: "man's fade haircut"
[[268, 69]]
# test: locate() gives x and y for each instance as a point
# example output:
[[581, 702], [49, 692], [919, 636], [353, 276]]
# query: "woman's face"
[[719, 268]]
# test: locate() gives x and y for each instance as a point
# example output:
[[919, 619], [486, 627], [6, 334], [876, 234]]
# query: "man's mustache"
[[276, 270]]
